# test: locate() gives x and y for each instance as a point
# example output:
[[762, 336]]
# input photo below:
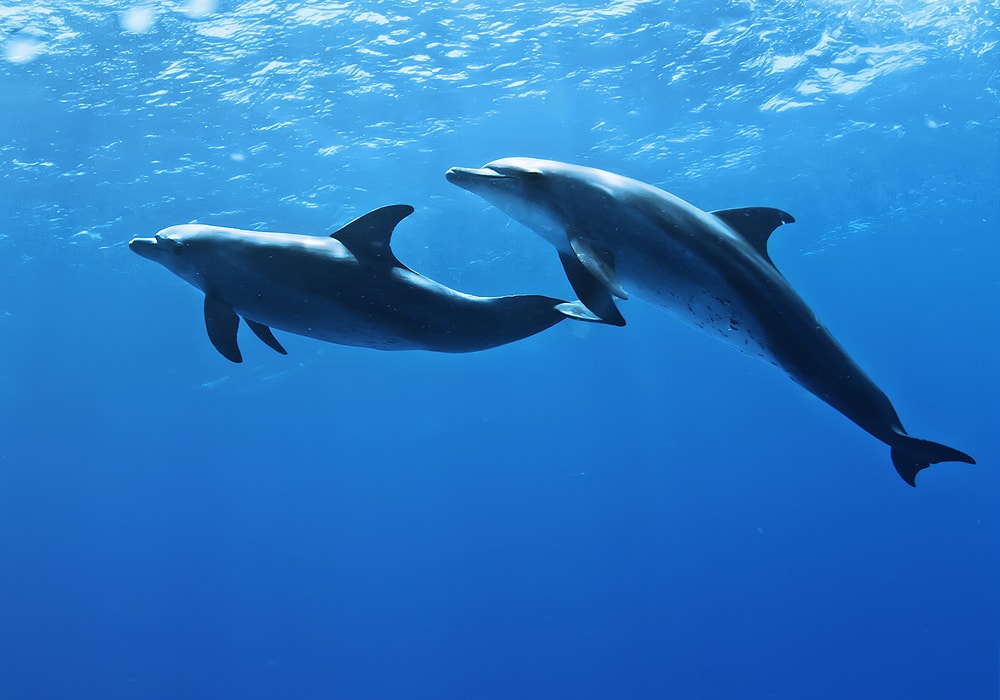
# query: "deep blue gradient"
[[593, 512]]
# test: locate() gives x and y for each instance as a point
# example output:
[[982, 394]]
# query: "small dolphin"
[[711, 270], [348, 288]]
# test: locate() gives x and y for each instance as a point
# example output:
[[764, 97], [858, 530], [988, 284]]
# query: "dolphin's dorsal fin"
[[599, 263], [755, 224], [368, 236]]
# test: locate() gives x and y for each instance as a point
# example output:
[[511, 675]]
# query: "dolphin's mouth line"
[[146, 247], [142, 245], [459, 174]]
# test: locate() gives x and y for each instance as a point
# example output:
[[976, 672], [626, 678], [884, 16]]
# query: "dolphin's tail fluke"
[[910, 455]]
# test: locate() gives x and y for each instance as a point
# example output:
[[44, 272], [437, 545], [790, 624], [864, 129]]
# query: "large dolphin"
[[348, 288], [711, 270]]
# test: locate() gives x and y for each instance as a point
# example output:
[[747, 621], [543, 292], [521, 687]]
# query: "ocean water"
[[593, 512]]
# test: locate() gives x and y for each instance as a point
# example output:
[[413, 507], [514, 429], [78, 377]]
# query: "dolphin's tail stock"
[[910, 455]]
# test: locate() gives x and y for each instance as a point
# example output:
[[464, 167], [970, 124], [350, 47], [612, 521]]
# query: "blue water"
[[593, 512]]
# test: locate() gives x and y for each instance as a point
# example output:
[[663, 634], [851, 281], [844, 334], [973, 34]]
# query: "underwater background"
[[593, 512]]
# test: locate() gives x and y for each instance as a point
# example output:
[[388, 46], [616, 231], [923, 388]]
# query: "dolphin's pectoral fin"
[[368, 236], [579, 311], [265, 334], [910, 455], [592, 291], [755, 224], [222, 324], [599, 263]]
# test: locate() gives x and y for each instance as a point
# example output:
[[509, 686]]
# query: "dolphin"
[[347, 288], [710, 270]]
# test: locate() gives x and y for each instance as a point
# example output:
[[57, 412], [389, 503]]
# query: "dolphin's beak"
[[466, 177], [478, 180], [146, 247]]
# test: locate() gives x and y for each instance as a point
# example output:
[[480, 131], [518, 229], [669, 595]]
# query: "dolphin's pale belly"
[[400, 310], [336, 316], [694, 293], [329, 322]]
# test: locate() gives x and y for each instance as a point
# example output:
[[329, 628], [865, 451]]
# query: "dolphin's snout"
[[460, 175], [146, 247], [138, 244], [476, 180]]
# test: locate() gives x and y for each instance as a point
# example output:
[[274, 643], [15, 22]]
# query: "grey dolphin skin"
[[348, 288], [710, 270]]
